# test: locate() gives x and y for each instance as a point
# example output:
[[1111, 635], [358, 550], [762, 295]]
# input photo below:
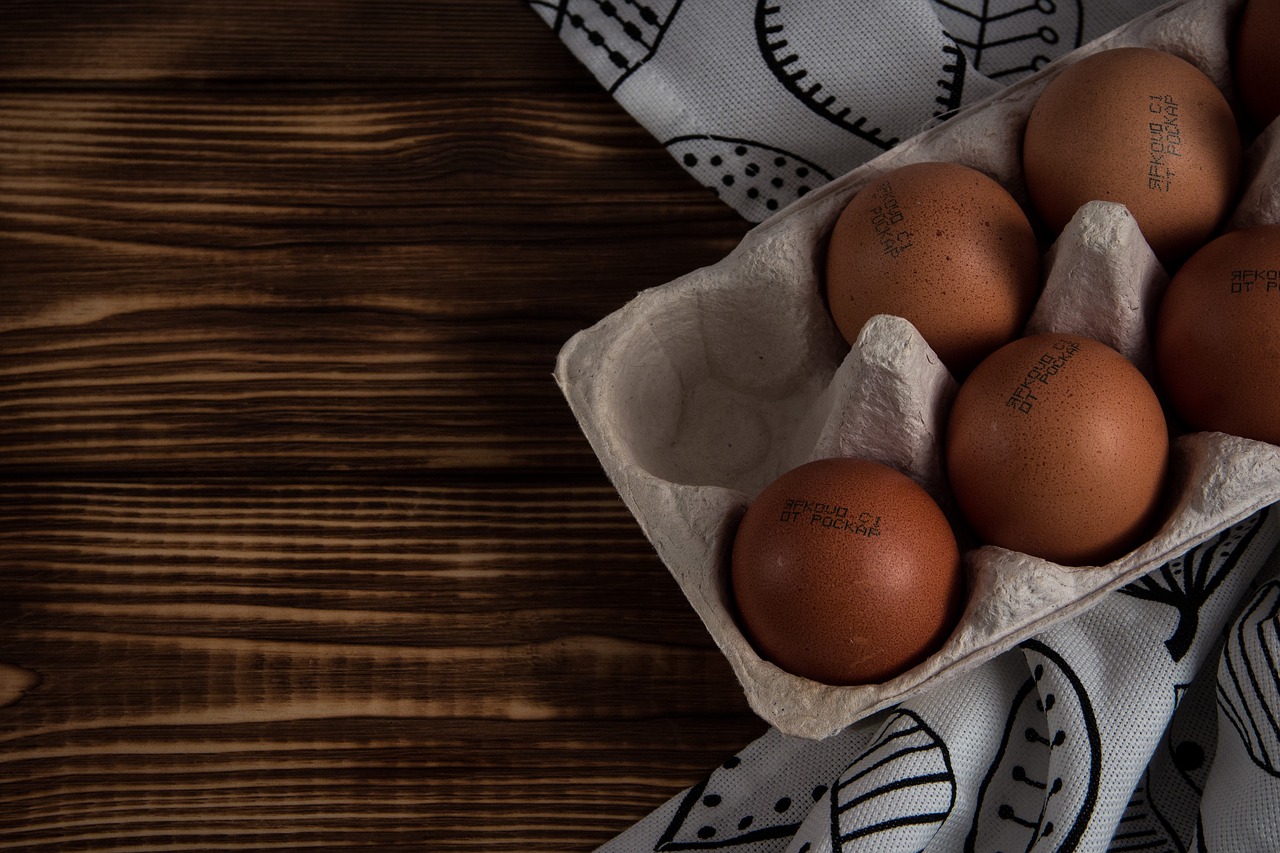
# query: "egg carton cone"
[[698, 393]]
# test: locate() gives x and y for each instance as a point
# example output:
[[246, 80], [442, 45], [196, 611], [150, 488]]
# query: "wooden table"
[[300, 545]]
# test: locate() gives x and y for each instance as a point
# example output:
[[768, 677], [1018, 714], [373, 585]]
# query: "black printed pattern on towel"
[[1007, 39], [1020, 803], [952, 81], [718, 812], [897, 793], [1164, 809], [625, 32], [1187, 582], [753, 177], [1139, 828], [1249, 678], [783, 36]]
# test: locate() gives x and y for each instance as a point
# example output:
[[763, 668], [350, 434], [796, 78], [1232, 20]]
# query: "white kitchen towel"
[[1149, 723], [764, 100]]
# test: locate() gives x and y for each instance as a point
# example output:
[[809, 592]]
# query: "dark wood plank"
[[209, 283], [343, 783], [220, 169], [381, 42], [244, 662], [390, 564], [300, 547], [241, 390], [497, 205]]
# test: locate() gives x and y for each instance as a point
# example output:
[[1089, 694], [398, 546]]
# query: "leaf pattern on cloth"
[[1163, 810], [757, 799], [619, 36], [799, 45], [1186, 583], [1249, 679], [1240, 807], [1087, 737], [757, 177], [897, 793], [831, 82], [1008, 39], [1025, 802]]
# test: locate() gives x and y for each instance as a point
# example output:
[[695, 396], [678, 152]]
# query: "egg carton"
[[698, 393]]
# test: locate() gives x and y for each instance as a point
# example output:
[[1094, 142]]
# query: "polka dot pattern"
[[756, 179]]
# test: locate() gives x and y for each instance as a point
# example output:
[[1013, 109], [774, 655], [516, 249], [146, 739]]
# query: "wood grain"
[[300, 546], [431, 251], [231, 390], [335, 43], [250, 657], [342, 784], [227, 638]]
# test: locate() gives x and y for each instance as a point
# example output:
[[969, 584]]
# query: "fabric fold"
[[1099, 734], [765, 101]]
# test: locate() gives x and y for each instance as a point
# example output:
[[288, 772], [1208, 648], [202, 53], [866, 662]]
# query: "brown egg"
[[1257, 40], [1217, 336], [1056, 446], [943, 246], [1140, 127], [845, 571]]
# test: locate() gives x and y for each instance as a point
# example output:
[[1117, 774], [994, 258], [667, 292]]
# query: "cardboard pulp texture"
[[698, 393]]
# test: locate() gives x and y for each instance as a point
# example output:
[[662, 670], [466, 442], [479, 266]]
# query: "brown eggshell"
[[1256, 72], [1140, 127], [942, 246], [1056, 447], [845, 571], [1217, 336]]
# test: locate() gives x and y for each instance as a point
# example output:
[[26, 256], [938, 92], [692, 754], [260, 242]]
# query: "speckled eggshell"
[[1057, 447], [1141, 127], [943, 246], [1256, 73], [845, 571], [1217, 336]]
